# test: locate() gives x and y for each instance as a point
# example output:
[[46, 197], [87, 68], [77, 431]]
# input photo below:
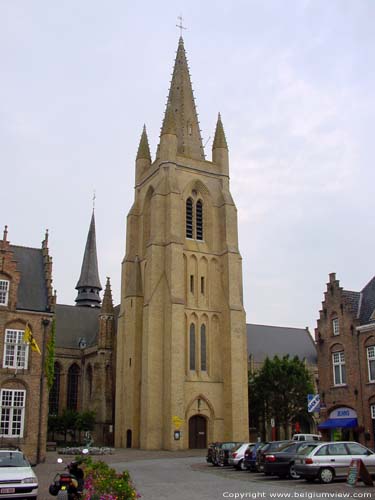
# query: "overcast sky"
[[294, 81]]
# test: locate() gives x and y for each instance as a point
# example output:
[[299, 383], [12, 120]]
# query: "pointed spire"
[[181, 103], [144, 148], [107, 304], [88, 285], [220, 140]]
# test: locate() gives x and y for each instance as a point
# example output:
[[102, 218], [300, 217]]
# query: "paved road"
[[163, 475]]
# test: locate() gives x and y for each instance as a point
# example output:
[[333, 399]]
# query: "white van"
[[307, 437]]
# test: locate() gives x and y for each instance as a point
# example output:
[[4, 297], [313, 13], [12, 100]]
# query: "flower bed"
[[104, 483]]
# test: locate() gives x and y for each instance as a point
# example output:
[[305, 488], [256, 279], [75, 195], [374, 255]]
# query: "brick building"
[[345, 337], [26, 299]]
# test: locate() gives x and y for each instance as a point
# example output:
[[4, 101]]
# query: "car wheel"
[[326, 475], [292, 472]]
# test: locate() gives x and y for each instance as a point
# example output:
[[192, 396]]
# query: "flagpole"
[[45, 323]]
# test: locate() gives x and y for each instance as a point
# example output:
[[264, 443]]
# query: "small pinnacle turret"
[[144, 148], [220, 148], [220, 140], [169, 122], [107, 303], [88, 285]]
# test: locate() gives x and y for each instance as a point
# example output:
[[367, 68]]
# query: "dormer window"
[[335, 326], [4, 292]]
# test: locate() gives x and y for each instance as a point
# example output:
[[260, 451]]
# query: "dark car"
[[250, 456], [210, 451], [269, 447], [281, 463], [221, 451]]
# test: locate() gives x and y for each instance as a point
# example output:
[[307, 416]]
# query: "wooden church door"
[[197, 432]]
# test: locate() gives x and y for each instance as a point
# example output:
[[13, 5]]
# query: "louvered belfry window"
[[189, 218], [199, 216]]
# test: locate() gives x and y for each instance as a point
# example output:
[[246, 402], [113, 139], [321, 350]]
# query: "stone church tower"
[[181, 343]]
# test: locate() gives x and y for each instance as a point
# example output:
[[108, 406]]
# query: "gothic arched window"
[[72, 395], [89, 378], [203, 349], [189, 218], [199, 220], [192, 346], [54, 393]]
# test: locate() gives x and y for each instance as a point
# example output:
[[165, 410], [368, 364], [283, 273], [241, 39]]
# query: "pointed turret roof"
[[181, 102], [107, 304], [88, 285], [144, 148], [220, 140]]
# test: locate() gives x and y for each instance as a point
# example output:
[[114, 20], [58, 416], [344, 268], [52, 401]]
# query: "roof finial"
[[5, 234], [93, 201], [180, 25]]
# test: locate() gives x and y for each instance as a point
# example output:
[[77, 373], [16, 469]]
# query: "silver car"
[[327, 461], [236, 456]]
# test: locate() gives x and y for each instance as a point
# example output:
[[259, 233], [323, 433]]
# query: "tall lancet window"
[[189, 218], [72, 396], [199, 216], [192, 346], [54, 393], [203, 349]]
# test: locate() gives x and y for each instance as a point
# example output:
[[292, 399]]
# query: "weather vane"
[[93, 201], [180, 25]]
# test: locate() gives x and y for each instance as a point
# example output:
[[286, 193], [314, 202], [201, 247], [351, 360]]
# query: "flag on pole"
[[29, 339]]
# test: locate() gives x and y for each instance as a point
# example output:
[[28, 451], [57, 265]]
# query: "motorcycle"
[[68, 485]]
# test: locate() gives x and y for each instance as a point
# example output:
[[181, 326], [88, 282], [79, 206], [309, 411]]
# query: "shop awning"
[[334, 423]]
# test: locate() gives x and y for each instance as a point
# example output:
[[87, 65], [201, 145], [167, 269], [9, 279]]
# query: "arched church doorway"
[[197, 432]]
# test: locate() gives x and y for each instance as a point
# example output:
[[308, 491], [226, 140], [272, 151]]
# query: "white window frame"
[[371, 362], [16, 351], [4, 292], [372, 410], [335, 326], [12, 412], [338, 360]]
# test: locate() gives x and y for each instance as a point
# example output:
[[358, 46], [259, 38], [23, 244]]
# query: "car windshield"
[[13, 459], [305, 449]]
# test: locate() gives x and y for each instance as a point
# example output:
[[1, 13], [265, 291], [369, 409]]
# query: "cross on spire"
[[180, 25], [93, 201]]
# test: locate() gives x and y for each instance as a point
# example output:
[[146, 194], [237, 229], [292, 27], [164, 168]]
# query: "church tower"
[[181, 370]]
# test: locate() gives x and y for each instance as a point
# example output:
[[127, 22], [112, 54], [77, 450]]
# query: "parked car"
[[210, 451], [307, 437], [221, 451], [250, 456], [281, 463], [17, 478], [327, 461], [268, 447], [236, 455]]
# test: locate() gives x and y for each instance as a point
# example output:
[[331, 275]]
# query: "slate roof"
[[73, 323], [352, 300], [32, 290], [367, 304], [265, 340]]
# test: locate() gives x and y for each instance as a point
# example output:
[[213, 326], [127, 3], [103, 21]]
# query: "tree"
[[279, 390]]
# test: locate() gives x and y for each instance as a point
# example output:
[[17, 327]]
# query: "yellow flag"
[[29, 338]]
